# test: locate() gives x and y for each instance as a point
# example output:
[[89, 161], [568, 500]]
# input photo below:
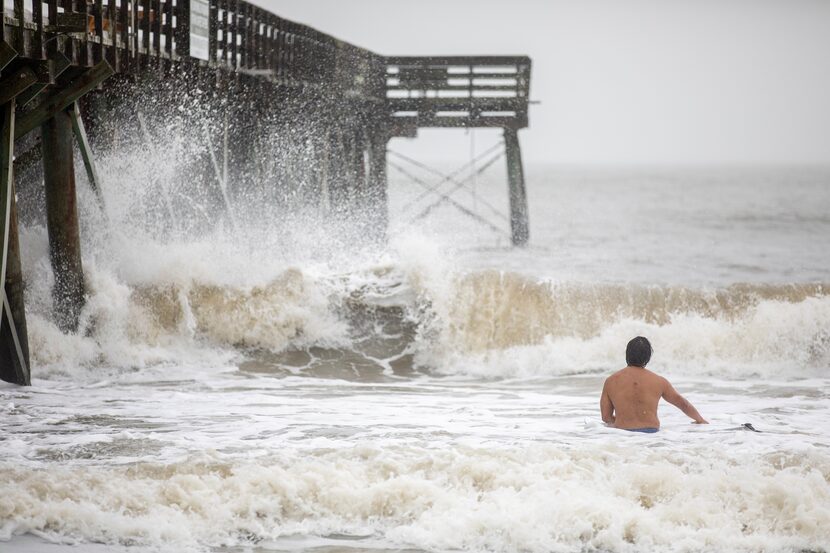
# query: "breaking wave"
[[503, 324], [484, 323]]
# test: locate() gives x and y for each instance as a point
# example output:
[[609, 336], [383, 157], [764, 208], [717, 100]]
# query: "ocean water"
[[265, 384]]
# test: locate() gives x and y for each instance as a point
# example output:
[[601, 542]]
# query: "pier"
[[66, 64]]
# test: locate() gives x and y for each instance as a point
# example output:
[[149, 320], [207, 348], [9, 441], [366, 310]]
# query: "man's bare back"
[[630, 396]]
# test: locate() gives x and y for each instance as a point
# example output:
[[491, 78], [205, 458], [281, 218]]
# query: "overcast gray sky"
[[623, 81]]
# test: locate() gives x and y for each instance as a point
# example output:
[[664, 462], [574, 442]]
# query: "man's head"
[[638, 352]]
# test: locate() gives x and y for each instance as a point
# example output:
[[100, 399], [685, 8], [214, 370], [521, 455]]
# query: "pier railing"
[[458, 91], [134, 35]]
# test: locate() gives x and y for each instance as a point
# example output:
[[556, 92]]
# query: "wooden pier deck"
[[56, 54]]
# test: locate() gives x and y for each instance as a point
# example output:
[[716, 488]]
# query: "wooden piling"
[[357, 169], [337, 173], [15, 341], [519, 230], [86, 152], [14, 344], [62, 220], [377, 197], [322, 161]]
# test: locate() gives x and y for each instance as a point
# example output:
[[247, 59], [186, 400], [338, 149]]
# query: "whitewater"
[[269, 383]]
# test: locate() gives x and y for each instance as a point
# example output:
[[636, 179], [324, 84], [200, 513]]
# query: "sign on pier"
[[199, 29]]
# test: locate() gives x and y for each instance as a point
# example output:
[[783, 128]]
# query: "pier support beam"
[[357, 172], [14, 343], [14, 334], [377, 197], [61, 99], [86, 152], [338, 181], [519, 230], [62, 220], [322, 154]]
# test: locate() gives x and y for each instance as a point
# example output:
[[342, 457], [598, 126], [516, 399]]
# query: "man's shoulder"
[[660, 381], [615, 375], [655, 375]]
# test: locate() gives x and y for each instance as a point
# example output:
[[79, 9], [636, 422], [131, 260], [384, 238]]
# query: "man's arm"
[[605, 406], [671, 395]]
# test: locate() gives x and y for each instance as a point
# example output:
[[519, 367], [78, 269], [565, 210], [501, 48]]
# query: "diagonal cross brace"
[[21, 369], [458, 185], [444, 178], [7, 53], [62, 98], [6, 182], [221, 174], [86, 153], [451, 178], [47, 71], [22, 79], [454, 203], [22, 373]]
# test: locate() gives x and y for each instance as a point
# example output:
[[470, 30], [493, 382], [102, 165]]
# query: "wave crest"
[[503, 324], [485, 323]]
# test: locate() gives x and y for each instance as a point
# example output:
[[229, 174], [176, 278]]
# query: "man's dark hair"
[[638, 352]]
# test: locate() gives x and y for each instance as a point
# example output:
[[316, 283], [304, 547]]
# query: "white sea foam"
[[536, 498]]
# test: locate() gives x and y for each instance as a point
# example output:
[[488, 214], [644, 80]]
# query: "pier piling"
[[14, 344], [516, 181], [338, 173], [377, 183], [357, 171], [62, 220]]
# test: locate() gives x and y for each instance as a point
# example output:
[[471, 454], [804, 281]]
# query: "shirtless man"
[[630, 396]]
